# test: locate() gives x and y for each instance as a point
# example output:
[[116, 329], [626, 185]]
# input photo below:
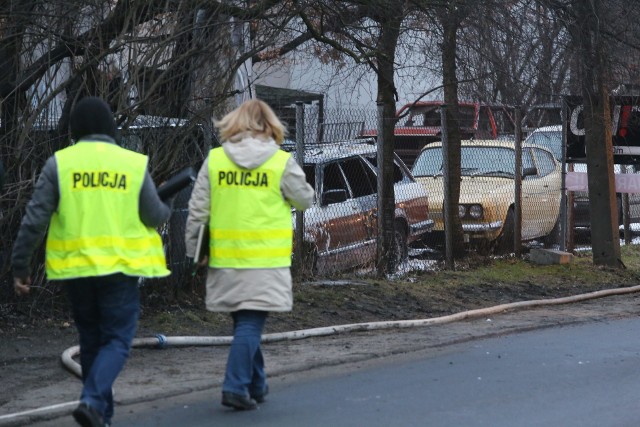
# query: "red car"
[[419, 124]]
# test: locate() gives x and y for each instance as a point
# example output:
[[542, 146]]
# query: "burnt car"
[[341, 226]]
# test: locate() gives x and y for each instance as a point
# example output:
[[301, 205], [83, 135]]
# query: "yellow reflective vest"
[[250, 223], [97, 229]]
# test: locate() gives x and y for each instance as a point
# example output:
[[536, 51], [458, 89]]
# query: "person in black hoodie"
[[100, 207]]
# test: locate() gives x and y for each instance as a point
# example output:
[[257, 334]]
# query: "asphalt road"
[[571, 376]]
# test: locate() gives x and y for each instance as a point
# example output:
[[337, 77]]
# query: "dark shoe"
[[87, 416], [260, 398], [238, 401]]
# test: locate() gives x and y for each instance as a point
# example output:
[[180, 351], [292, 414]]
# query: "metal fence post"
[[448, 232], [381, 259], [517, 225], [563, 185], [626, 221], [299, 231]]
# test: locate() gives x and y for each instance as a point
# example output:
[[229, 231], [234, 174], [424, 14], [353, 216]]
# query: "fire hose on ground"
[[161, 341]]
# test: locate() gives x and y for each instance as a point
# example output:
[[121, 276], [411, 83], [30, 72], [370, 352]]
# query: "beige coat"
[[230, 289]]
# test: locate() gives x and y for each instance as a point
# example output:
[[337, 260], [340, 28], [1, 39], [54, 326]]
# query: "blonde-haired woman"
[[244, 192]]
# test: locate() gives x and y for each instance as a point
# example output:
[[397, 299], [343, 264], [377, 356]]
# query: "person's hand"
[[204, 262], [21, 285]]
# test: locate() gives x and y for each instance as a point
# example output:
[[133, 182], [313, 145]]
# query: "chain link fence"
[[341, 160], [508, 192], [511, 188]]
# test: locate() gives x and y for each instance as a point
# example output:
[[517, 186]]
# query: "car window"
[[475, 160], [423, 116], [527, 162], [360, 177], [310, 174], [333, 179], [428, 163], [398, 175], [551, 140], [483, 160], [429, 115], [544, 162]]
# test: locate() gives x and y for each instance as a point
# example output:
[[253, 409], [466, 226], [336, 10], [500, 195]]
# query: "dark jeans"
[[105, 310], [245, 365]]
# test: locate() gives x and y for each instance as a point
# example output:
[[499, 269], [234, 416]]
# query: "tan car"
[[487, 190]]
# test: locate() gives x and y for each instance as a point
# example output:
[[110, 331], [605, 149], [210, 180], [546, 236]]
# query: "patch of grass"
[[512, 270], [177, 320], [476, 283], [631, 257]]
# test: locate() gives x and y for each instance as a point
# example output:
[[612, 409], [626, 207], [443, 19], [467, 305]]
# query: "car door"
[[411, 197], [341, 218], [540, 193], [362, 181]]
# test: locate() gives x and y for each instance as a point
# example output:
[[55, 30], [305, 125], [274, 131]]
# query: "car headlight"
[[462, 211], [475, 211]]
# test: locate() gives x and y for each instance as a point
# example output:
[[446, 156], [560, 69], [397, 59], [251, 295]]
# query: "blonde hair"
[[254, 117]]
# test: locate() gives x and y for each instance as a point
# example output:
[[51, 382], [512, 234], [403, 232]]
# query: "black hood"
[[91, 116]]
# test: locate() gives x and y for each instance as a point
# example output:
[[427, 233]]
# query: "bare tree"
[[368, 33], [604, 36], [514, 53], [146, 57], [451, 17], [593, 68]]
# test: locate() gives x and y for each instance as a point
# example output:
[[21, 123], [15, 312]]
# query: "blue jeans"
[[106, 311], [245, 365]]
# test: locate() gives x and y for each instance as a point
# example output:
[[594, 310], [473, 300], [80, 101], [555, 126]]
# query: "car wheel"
[[400, 249], [504, 243]]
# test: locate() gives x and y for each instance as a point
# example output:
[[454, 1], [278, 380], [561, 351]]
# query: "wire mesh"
[[341, 162]]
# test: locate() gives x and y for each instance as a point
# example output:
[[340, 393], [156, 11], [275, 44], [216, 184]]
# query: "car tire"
[[400, 249], [504, 243]]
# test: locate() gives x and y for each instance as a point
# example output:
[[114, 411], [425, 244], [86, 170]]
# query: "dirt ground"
[[33, 376]]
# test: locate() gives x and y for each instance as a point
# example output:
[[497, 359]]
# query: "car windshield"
[[475, 160], [429, 115], [552, 140]]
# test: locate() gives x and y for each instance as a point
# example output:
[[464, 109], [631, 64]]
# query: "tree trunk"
[[387, 43], [450, 24], [605, 237]]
